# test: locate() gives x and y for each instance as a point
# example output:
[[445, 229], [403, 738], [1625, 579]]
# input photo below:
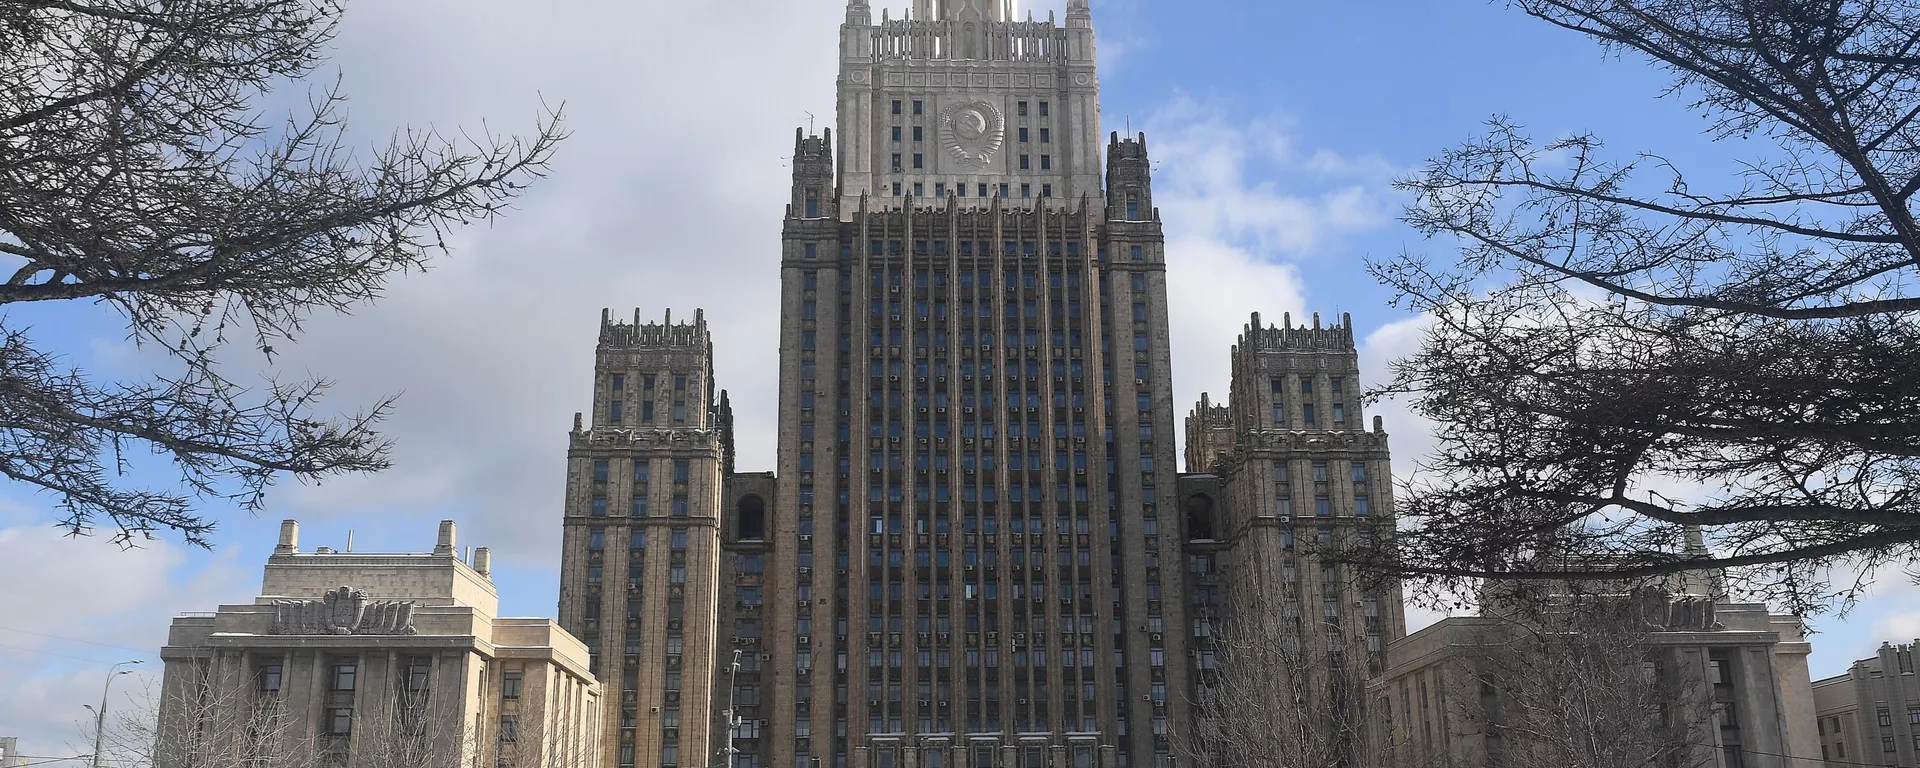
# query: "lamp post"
[[100, 723], [727, 752]]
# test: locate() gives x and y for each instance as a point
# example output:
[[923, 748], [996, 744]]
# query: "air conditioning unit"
[[893, 289], [893, 378], [894, 440], [804, 538], [895, 318], [1139, 382], [765, 657], [1023, 702], [805, 640], [873, 639]]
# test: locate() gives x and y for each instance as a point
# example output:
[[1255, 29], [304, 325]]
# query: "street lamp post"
[[100, 723], [733, 721]]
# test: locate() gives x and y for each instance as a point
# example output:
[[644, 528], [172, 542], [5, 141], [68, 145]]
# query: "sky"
[[1277, 129]]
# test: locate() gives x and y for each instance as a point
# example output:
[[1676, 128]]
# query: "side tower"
[[1209, 435], [639, 570], [1302, 477]]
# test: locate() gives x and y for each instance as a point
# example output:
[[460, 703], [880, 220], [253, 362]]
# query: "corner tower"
[[639, 569]]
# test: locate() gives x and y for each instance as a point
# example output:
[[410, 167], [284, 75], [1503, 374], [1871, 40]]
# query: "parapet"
[[664, 334], [1287, 338]]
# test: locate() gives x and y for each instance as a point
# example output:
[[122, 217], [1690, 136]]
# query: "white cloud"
[[74, 606], [1234, 231]]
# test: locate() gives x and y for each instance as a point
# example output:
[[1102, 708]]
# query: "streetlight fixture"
[[100, 723]]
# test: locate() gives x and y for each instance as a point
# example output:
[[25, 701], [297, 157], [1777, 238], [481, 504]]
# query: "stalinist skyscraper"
[[975, 552]]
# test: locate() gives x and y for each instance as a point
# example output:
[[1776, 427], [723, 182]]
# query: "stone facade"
[[372, 660], [1294, 474], [639, 576], [962, 99], [1752, 666], [1871, 714]]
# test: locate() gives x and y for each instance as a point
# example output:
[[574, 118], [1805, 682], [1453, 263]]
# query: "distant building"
[[1871, 714], [10, 752], [374, 661], [1751, 664]]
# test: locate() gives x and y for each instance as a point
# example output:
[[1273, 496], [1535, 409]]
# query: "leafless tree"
[[138, 172], [1614, 329], [212, 722], [1581, 682], [1272, 701]]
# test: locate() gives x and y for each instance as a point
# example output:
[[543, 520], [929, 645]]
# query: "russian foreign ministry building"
[[977, 549]]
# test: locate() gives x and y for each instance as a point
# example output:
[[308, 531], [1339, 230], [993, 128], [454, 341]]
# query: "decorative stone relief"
[[344, 611], [973, 132], [1677, 613]]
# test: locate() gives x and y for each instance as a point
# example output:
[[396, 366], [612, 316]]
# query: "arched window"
[[751, 525], [1199, 517]]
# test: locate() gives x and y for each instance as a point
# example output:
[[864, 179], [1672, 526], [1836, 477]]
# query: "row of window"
[[919, 189], [1019, 109]]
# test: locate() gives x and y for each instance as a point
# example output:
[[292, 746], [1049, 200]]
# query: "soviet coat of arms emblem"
[[343, 611], [972, 131]]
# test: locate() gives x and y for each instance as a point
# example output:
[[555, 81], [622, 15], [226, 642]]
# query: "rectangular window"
[[616, 412], [510, 685], [1046, 136], [916, 133], [344, 676], [917, 107], [270, 678], [897, 162], [896, 106], [1046, 162], [1023, 133], [1026, 162], [340, 721], [600, 470], [919, 161], [1020, 109], [1043, 109], [682, 469]]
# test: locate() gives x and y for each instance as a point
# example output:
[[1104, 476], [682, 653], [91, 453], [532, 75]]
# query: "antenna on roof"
[[349, 539], [809, 123]]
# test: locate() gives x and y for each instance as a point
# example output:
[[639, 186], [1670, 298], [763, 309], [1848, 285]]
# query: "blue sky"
[[1278, 128]]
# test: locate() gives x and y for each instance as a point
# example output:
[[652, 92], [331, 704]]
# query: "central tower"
[[976, 416], [961, 99]]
